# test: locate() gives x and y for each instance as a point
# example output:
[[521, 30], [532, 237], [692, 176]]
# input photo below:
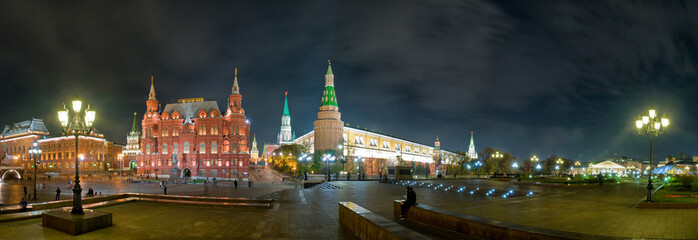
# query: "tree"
[[549, 164], [497, 164]]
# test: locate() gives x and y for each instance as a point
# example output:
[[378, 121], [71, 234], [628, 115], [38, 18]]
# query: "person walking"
[[411, 201], [165, 190], [58, 193], [235, 182], [600, 179]]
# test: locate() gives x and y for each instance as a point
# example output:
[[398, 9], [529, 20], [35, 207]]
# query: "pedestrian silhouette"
[[411, 201], [58, 193], [23, 204], [165, 189], [235, 182]]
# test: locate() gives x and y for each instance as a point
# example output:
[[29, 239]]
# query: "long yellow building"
[[377, 150]]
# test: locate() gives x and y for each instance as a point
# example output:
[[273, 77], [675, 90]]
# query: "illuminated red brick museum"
[[192, 138]]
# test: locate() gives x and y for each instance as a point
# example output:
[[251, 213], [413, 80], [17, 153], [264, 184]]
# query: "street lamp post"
[[121, 158], [478, 164], [515, 166], [534, 160], [578, 164], [327, 158], [77, 127], [557, 165], [653, 126], [360, 161], [498, 155], [304, 158], [35, 151]]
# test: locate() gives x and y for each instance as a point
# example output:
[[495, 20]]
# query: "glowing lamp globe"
[[77, 105], [63, 117]]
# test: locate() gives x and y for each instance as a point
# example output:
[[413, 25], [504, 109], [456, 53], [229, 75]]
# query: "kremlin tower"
[[328, 127], [285, 136], [471, 149]]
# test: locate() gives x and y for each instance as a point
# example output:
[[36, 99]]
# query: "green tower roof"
[[135, 126], [329, 98], [286, 113]]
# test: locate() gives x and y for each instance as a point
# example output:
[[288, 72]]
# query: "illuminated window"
[[186, 147], [202, 148], [147, 149], [175, 148], [164, 148], [214, 147], [386, 145]]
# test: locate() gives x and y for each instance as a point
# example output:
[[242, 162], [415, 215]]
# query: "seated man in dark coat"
[[411, 201]]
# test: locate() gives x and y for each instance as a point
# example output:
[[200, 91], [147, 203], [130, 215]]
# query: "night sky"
[[529, 77]]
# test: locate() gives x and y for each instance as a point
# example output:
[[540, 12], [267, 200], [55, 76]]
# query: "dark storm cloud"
[[530, 77]]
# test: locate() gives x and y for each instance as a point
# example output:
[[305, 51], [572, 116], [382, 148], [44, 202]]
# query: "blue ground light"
[[472, 191]]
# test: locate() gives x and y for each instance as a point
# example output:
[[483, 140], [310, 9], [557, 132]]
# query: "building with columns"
[[195, 138], [378, 150], [96, 154]]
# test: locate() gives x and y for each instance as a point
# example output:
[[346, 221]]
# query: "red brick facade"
[[204, 142]]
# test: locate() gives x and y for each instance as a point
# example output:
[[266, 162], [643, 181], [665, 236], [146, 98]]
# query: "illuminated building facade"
[[471, 149], [58, 153], [133, 146], [378, 150], [193, 136]]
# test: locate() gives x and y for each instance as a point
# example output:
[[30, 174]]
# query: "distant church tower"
[[471, 149], [437, 152], [285, 136], [133, 145], [254, 153], [328, 127]]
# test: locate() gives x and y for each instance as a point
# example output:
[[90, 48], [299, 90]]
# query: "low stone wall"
[[481, 227], [661, 205], [368, 225]]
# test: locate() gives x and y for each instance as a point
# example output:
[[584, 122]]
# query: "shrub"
[[686, 182]]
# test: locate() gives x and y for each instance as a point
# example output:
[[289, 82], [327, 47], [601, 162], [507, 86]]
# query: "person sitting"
[[411, 201], [23, 204]]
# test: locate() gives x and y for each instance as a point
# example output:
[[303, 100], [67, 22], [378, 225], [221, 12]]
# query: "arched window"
[[361, 140], [214, 147], [356, 139], [164, 148], [233, 148], [147, 149], [202, 148], [175, 148], [186, 147]]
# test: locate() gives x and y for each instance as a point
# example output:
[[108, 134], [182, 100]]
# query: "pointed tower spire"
[[329, 98], [286, 113], [151, 96], [329, 67], [285, 135], [471, 149], [236, 89], [135, 125]]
